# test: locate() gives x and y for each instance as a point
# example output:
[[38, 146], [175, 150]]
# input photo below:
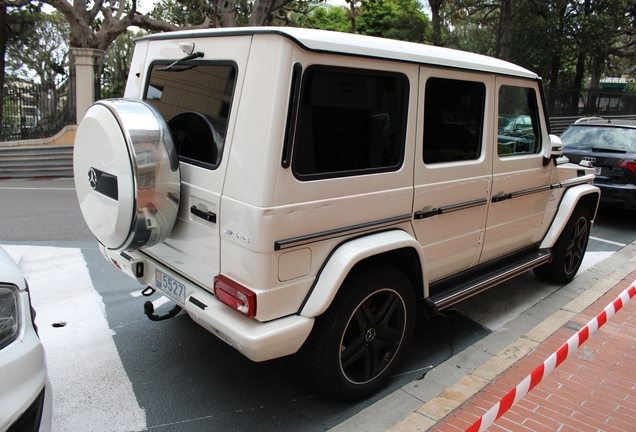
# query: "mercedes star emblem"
[[92, 178]]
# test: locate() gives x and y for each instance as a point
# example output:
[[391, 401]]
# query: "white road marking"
[[36, 188], [608, 241], [160, 302], [91, 390]]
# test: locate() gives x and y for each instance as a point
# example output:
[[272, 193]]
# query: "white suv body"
[[313, 166]]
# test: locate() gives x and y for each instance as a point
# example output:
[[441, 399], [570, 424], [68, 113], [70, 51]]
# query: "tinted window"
[[518, 130], [601, 138], [453, 120], [350, 122], [195, 103]]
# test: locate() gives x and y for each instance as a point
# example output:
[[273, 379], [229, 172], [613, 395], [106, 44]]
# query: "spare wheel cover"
[[126, 174]]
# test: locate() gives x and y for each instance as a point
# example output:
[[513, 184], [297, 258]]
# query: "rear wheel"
[[358, 342], [569, 249]]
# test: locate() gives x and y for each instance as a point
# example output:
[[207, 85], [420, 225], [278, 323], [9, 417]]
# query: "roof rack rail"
[[588, 119]]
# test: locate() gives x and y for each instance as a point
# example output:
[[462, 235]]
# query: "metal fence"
[[563, 102], [32, 111]]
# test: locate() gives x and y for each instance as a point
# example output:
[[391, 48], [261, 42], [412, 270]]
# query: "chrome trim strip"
[[325, 235], [462, 206], [587, 179], [530, 191]]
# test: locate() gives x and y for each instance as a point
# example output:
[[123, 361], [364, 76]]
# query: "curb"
[[420, 405]]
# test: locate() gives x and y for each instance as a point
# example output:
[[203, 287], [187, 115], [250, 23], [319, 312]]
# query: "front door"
[[521, 180]]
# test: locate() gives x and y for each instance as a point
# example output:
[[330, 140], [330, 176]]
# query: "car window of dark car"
[[600, 137]]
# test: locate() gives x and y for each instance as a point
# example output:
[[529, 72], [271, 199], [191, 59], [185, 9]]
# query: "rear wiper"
[[606, 150], [177, 67]]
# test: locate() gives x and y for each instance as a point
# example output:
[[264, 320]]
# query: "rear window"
[[601, 138], [194, 99], [350, 122]]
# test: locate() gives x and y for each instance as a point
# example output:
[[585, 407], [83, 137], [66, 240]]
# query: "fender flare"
[[568, 203], [345, 257]]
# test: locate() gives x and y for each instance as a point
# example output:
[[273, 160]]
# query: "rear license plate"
[[169, 286], [597, 170]]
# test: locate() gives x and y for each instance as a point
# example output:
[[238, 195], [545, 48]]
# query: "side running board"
[[455, 289]]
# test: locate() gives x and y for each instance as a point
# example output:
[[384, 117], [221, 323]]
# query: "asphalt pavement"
[[458, 391], [173, 375]]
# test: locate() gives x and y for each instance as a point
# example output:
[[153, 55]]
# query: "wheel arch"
[[575, 197], [395, 247]]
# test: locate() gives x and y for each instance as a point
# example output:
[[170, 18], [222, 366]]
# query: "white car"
[[305, 192], [25, 391]]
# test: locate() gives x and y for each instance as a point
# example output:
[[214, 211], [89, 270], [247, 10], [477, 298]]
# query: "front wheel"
[[358, 342], [569, 249]]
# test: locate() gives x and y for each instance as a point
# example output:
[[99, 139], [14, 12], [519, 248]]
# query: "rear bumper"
[[258, 341], [620, 195]]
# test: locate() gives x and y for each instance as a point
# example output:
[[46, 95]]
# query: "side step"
[[450, 291]]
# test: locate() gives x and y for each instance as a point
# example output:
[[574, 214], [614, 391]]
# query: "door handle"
[[426, 214], [501, 197], [208, 216]]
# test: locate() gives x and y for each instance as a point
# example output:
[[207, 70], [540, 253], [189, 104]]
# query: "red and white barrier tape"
[[568, 348]]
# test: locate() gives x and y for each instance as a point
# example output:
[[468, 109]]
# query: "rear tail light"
[[235, 296], [628, 164]]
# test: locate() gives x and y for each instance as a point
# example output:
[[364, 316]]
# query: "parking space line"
[[608, 241]]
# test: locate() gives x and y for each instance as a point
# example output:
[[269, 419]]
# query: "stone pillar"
[[88, 63]]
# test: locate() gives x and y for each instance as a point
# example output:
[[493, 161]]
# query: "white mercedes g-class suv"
[[305, 192]]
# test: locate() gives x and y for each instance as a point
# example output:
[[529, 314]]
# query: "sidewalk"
[[592, 390]]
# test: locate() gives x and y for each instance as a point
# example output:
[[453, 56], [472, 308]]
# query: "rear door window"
[[195, 101], [350, 122], [453, 120]]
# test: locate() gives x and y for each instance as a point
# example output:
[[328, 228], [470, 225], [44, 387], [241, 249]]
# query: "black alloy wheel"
[[356, 345]]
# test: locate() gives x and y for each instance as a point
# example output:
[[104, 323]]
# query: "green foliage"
[[325, 17], [117, 64], [37, 48], [395, 19]]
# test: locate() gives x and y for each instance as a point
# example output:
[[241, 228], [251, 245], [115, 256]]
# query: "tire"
[[358, 342], [569, 250]]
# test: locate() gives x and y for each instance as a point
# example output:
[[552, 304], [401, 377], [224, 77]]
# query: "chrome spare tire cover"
[[126, 174]]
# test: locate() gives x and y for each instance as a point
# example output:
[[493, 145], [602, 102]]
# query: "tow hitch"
[[149, 308]]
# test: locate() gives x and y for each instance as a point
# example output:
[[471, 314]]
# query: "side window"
[[453, 120], [518, 129], [194, 99], [350, 122]]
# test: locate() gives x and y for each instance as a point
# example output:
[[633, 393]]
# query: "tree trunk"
[[596, 69], [578, 82], [553, 88], [504, 35], [437, 21], [3, 50], [352, 15]]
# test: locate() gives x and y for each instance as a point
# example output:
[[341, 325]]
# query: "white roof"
[[367, 46]]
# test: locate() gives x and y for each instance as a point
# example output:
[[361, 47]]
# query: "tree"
[[37, 49], [326, 18], [395, 19], [117, 64]]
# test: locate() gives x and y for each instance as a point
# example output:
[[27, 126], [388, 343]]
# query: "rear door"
[[197, 98], [452, 168], [521, 181]]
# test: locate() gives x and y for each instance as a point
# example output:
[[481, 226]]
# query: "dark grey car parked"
[[609, 146]]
